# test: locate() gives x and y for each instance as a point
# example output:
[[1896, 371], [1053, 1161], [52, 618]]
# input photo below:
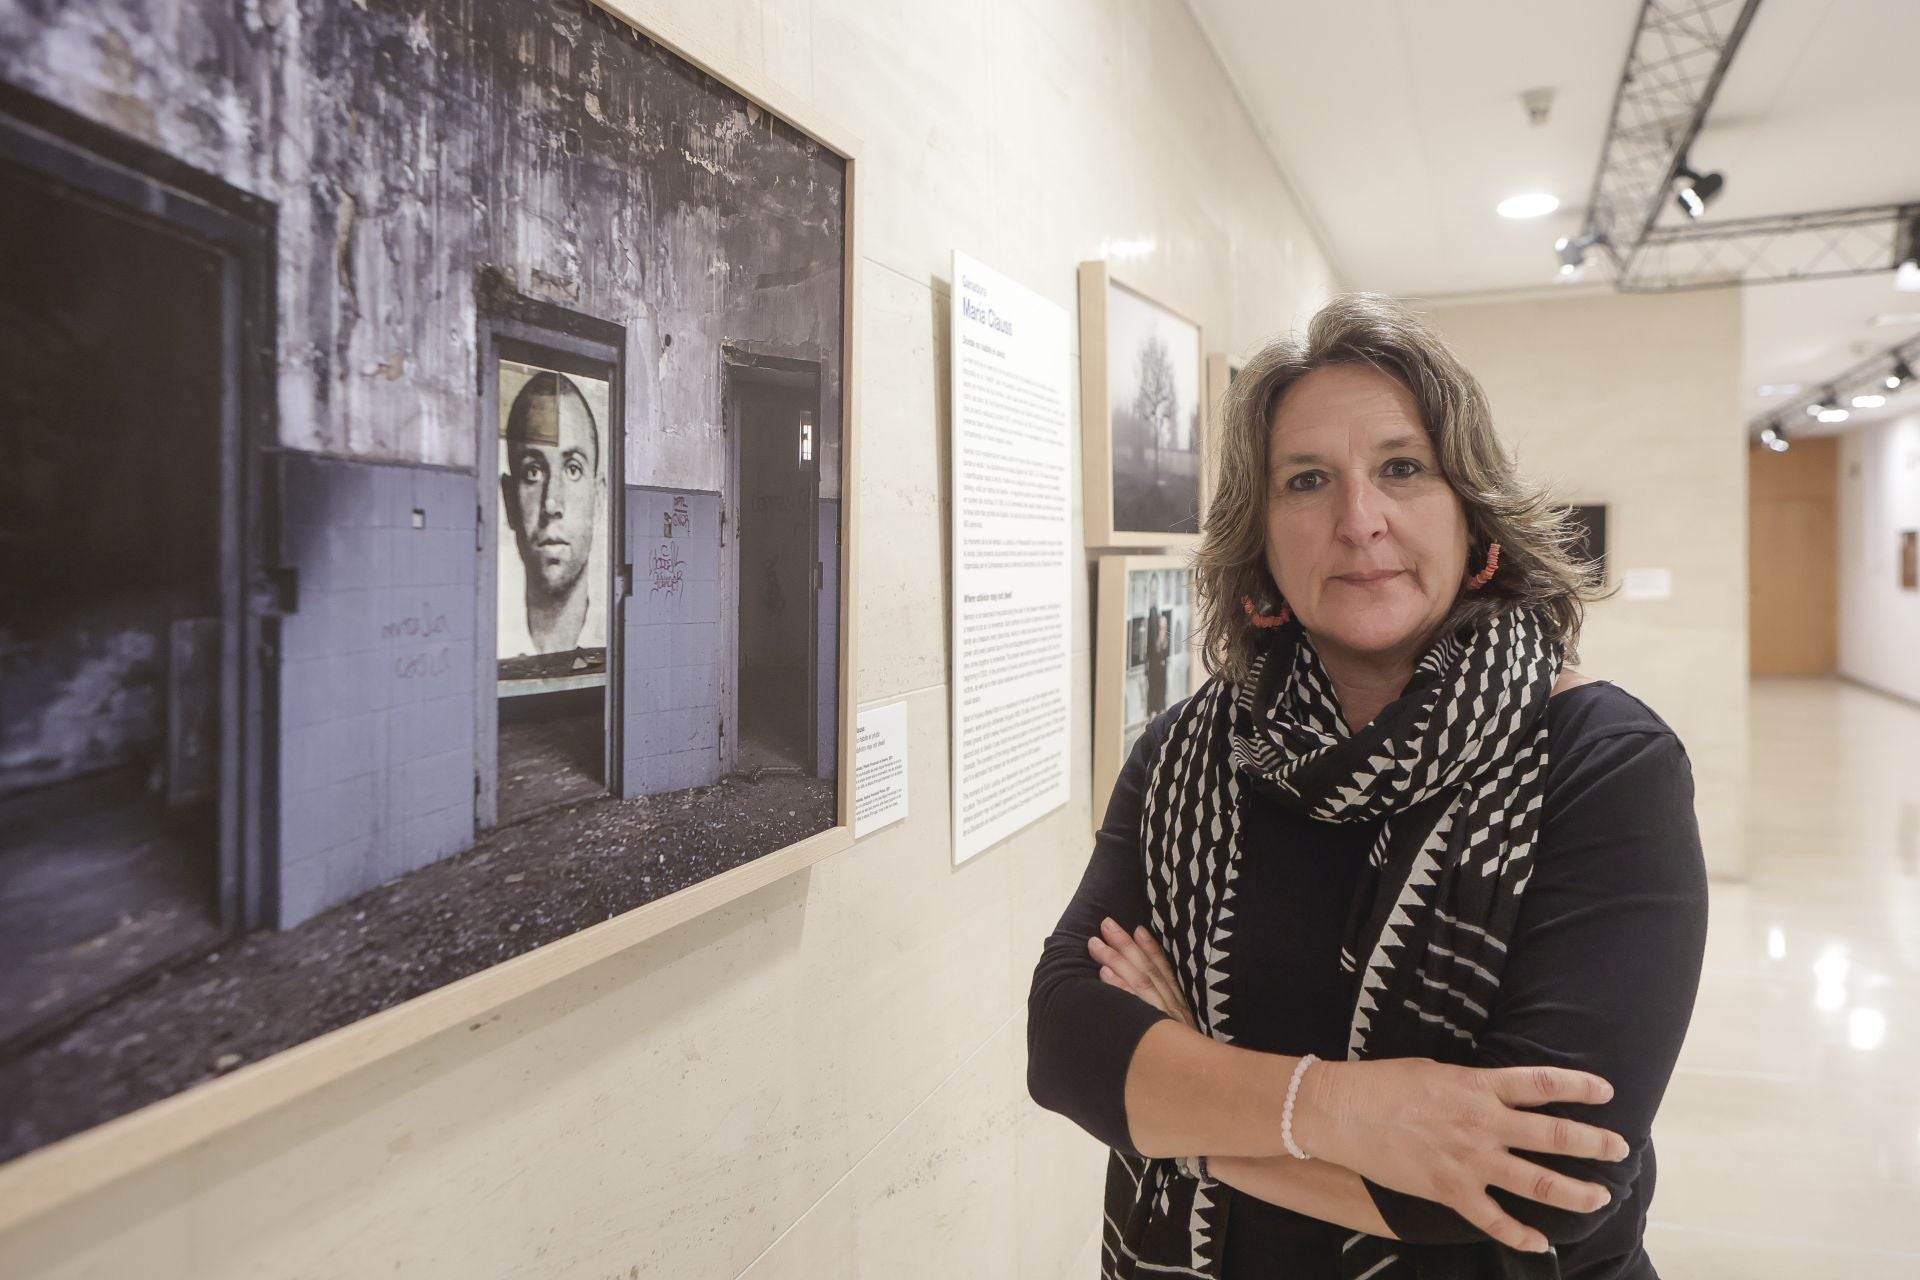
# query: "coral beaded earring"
[[1485, 576], [1264, 620]]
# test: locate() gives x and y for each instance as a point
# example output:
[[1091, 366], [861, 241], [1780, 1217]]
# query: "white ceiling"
[[1399, 123]]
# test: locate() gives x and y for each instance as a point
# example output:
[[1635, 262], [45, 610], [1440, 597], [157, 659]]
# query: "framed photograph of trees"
[[1143, 425]]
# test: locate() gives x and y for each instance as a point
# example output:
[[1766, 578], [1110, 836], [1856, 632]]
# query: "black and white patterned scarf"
[[1456, 766]]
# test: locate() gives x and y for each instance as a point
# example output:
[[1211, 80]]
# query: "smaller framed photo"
[[1143, 423], [1222, 369], [1145, 656], [1590, 547]]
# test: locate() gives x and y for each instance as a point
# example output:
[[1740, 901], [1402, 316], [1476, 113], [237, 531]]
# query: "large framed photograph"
[[450, 587], [1145, 657], [1143, 423]]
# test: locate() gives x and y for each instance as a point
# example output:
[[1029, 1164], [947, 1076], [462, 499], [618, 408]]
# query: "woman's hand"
[[1447, 1134], [1134, 962]]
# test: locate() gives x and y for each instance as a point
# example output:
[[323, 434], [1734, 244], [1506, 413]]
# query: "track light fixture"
[[1696, 189], [1902, 372], [1573, 252], [1774, 437], [1906, 265]]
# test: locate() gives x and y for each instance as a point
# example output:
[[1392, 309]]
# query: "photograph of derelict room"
[[422, 533]]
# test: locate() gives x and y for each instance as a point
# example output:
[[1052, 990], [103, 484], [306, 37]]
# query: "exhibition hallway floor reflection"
[[1790, 1138]]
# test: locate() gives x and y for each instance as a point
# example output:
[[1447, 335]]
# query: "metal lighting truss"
[[1680, 54], [1788, 246], [1868, 376]]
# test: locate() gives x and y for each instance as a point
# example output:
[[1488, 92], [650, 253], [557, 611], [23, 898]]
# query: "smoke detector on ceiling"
[[1539, 105]]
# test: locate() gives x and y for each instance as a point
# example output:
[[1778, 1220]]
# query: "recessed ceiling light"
[[1777, 389], [1536, 205], [1868, 402], [1897, 317]]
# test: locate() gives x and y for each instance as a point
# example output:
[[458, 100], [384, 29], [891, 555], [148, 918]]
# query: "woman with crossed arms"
[[1391, 933]]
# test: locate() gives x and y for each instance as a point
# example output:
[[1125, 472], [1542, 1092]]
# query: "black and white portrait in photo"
[[553, 484]]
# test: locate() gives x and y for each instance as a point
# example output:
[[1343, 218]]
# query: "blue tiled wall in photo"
[[376, 710], [676, 647]]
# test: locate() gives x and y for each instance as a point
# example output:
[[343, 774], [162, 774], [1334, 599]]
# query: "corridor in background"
[[1806, 1037]]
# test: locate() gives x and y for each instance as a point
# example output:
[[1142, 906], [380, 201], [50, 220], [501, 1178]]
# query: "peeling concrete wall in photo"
[[409, 145]]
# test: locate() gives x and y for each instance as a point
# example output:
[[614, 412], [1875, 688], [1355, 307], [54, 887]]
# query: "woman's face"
[[1365, 538]]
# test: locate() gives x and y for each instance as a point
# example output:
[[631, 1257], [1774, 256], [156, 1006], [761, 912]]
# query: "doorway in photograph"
[[555, 446], [773, 415], [121, 380]]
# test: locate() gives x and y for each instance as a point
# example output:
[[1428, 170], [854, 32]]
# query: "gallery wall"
[[827, 1077], [1879, 500], [1633, 401]]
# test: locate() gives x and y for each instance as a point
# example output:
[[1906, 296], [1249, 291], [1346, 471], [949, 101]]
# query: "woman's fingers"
[[1156, 958], [1485, 1213], [1538, 1086], [1557, 1136], [1148, 955], [1109, 957], [1142, 966], [1524, 1178]]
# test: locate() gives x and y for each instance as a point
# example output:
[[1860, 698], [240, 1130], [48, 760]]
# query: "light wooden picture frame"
[[46, 1177], [1145, 655], [1222, 369], [1143, 416]]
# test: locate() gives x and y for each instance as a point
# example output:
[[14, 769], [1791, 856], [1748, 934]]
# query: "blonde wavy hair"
[[1537, 567]]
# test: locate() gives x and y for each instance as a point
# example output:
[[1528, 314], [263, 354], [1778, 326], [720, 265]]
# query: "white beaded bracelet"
[[1286, 1113]]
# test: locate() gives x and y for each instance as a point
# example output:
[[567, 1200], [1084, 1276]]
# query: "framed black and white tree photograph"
[[1143, 421]]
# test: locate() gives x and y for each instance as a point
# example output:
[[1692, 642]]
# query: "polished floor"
[[1790, 1138]]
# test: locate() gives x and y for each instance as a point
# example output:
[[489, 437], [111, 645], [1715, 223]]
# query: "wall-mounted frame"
[[423, 640], [1143, 417], [1145, 657], [1590, 547], [1222, 369]]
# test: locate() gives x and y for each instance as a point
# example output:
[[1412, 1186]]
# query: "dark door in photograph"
[[775, 416], [115, 495], [553, 444]]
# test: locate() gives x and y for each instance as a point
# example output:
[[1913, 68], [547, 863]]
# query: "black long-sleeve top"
[[1601, 975]]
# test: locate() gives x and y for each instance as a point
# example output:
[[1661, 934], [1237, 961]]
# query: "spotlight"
[[1868, 401], [1826, 403], [1697, 189], [1906, 271], [1833, 415], [1901, 373], [1774, 437], [1573, 252]]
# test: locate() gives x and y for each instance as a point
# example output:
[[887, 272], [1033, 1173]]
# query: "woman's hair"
[[1536, 565]]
